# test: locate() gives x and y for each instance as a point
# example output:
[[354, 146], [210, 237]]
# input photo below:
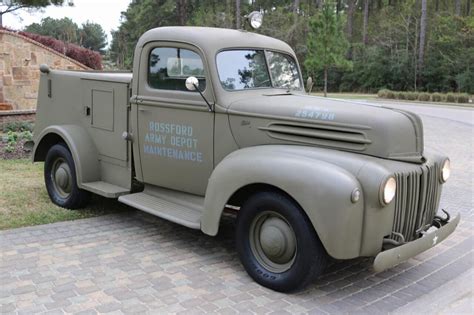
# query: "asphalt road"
[[136, 263]]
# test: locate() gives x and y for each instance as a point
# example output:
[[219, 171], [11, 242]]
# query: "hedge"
[[87, 57], [425, 97]]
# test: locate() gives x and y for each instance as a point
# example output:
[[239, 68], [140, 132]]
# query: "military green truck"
[[214, 119]]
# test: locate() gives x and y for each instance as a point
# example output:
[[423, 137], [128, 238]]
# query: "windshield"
[[247, 69]]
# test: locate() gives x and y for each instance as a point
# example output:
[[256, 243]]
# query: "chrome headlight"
[[388, 190], [445, 170]]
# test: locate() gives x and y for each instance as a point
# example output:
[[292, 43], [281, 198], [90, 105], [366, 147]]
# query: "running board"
[[105, 189], [177, 207]]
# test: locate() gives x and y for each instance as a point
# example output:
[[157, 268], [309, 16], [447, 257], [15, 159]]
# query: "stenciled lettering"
[[173, 141], [315, 113]]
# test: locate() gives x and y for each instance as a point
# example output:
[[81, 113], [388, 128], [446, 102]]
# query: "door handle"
[[87, 110]]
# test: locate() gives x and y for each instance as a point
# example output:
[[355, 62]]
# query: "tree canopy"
[[8, 6], [89, 35], [423, 45]]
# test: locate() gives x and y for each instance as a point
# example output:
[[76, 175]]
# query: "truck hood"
[[316, 121]]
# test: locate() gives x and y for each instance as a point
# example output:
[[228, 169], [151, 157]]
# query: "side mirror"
[[192, 83], [309, 85]]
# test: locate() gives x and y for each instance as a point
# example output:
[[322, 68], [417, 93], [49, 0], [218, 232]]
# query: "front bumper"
[[392, 257]]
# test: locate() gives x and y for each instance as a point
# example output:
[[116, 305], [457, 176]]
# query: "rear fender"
[[323, 191], [83, 150]]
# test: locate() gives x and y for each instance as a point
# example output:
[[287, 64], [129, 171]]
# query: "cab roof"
[[210, 40]]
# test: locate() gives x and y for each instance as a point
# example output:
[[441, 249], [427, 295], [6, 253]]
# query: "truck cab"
[[214, 119]]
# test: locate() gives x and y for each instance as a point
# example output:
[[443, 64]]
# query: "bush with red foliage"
[[90, 58], [87, 57]]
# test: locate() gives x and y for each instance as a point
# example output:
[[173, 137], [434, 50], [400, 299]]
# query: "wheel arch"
[[321, 189], [79, 143], [245, 192]]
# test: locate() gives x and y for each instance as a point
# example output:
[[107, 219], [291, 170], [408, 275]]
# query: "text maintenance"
[[172, 141]]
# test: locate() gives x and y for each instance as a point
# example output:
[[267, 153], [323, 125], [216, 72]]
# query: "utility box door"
[[106, 104], [103, 109]]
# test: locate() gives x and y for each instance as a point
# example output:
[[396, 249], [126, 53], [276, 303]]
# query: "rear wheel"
[[277, 243], [60, 179]]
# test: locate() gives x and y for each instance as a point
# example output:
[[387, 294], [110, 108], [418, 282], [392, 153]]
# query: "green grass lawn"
[[24, 200]]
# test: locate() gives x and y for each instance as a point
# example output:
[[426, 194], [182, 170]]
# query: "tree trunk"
[[296, 8], [182, 11], [457, 7], [366, 21], [379, 4], [415, 62], [228, 14], [325, 81], [468, 7], [1, 19], [237, 14], [350, 24], [421, 54]]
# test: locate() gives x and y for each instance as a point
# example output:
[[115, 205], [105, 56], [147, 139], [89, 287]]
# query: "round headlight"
[[255, 19], [445, 170], [389, 189]]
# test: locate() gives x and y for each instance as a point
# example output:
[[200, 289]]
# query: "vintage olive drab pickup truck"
[[216, 119]]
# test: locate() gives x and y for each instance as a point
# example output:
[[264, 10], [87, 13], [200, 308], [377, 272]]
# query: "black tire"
[[60, 179], [291, 267]]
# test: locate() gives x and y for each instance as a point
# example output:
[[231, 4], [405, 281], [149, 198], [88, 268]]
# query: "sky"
[[104, 12]]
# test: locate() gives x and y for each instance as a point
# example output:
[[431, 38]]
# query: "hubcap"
[[273, 241], [62, 178]]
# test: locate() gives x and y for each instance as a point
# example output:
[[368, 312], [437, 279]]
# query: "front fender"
[[83, 150], [323, 190]]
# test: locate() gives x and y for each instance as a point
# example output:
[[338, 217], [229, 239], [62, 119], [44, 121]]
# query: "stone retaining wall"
[[16, 116], [20, 58]]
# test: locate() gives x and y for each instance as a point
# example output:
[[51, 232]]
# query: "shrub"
[[412, 96], [18, 126], [9, 148], [383, 93], [12, 137], [391, 95], [401, 95], [87, 57], [26, 135], [438, 97], [451, 97], [424, 97], [463, 98]]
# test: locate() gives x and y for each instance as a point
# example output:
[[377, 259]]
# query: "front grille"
[[416, 200]]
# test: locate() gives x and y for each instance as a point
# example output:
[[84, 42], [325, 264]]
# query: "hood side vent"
[[322, 135]]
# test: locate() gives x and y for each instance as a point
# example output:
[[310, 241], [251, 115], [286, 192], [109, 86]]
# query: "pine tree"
[[327, 45]]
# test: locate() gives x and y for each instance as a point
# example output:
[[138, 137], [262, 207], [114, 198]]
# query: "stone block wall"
[[16, 116], [20, 58]]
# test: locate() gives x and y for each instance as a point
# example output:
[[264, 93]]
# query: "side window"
[[168, 68]]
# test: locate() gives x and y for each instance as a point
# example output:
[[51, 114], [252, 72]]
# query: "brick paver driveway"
[[134, 262]]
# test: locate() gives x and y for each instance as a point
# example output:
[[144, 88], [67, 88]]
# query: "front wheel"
[[60, 179], [277, 243]]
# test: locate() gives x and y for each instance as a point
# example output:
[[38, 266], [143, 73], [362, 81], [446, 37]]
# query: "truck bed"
[[97, 102]]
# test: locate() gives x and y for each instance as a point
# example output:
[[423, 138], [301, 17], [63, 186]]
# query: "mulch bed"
[[18, 153]]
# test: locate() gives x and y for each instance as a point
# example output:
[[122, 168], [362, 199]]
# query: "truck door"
[[175, 127]]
